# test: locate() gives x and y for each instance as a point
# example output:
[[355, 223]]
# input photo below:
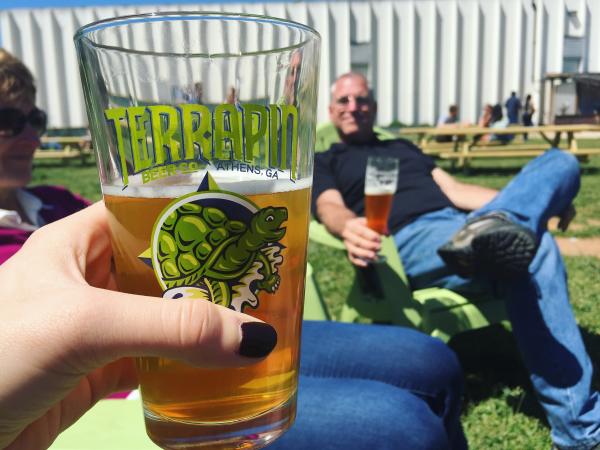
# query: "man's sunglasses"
[[360, 100], [13, 121]]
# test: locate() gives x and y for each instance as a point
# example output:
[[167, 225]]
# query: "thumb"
[[196, 332]]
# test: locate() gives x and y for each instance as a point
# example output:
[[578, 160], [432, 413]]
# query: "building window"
[[571, 64], [360, 57]]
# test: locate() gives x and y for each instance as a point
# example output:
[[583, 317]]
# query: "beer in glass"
[[381, 179], [205, 138]]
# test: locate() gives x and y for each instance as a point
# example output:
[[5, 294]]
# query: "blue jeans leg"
[[538, 305], [360, 414], [553, 350], [372, 386], [544, 188]]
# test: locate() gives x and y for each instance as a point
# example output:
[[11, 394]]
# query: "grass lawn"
[[79, 178], [500, 410]]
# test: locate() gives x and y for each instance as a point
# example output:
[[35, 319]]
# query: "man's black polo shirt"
[[343, 167]]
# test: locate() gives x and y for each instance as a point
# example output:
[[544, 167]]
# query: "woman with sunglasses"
[[23, 209]]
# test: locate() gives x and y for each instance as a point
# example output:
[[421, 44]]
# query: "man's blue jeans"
[[366, 387], [537, 305]]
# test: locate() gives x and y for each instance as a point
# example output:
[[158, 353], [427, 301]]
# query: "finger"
[[360, 252], [194, 331], [80, 243], [359, 262], [90, 220], [359, 227], [363, 237], [361, 241], [78, 240]]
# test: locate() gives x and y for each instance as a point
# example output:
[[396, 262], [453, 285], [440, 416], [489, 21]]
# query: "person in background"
[[24, 209], [498, 121], [474, 240], [492, 117], [486, 116], [448, 121], [68, 339], [484, 122], [528, 110], [513, 106]]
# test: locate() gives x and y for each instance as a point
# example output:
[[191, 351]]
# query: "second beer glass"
[[381, 179]]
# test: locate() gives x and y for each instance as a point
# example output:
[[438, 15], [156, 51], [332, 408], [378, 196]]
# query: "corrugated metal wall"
[[425, 54]]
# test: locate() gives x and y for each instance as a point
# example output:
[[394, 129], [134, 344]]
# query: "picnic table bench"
[[71, 147], [465, 146]]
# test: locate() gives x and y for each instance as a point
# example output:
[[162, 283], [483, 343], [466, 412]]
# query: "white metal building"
[[420, 55]]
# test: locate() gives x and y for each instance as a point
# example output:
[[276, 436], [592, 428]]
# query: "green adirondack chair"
[[381, 294]]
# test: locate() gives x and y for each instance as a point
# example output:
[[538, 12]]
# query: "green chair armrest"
[[318, 233], [379, 293], [447, 313], [325, 136], [384, 135], [314, 305]]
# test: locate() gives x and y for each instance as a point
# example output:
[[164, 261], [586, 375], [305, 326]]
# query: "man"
[[513, 106], [502, 248]]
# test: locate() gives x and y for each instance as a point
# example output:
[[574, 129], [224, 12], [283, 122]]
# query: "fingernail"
[[258, 339]]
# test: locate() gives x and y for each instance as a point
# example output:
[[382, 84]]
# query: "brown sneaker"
[[492, 246]]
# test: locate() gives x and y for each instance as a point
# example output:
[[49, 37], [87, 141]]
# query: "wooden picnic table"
[[72, 147], [464, 145]]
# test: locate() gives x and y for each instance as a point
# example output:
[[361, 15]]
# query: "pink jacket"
[[58, 203]]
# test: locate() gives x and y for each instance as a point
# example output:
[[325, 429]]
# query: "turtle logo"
[[218, 246]]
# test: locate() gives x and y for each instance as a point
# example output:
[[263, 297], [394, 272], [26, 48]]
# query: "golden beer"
[[377, 210], [184, 399]]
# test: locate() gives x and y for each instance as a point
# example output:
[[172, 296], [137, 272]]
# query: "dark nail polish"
[[258, 339]]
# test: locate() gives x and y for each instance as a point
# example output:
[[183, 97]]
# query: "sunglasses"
[[13, 121], [360, 100]]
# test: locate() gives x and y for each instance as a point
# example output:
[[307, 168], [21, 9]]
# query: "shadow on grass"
[[507, 167], [589, 170], [508, 170], [491, 363], [487, 171]]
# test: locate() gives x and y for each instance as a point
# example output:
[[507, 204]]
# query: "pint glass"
[[204, 126], [381, 180]]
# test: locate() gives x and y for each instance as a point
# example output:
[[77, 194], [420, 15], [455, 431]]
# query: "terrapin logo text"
[[187, 137]]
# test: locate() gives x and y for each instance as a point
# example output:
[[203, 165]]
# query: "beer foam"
[[380, 190], [178, 185]]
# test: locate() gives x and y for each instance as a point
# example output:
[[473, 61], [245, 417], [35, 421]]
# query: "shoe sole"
[[499, 253]]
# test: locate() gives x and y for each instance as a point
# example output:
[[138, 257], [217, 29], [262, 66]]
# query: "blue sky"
[[9, 4]]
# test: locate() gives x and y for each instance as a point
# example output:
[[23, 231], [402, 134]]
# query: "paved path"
[[570, 246], [579, 246]]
